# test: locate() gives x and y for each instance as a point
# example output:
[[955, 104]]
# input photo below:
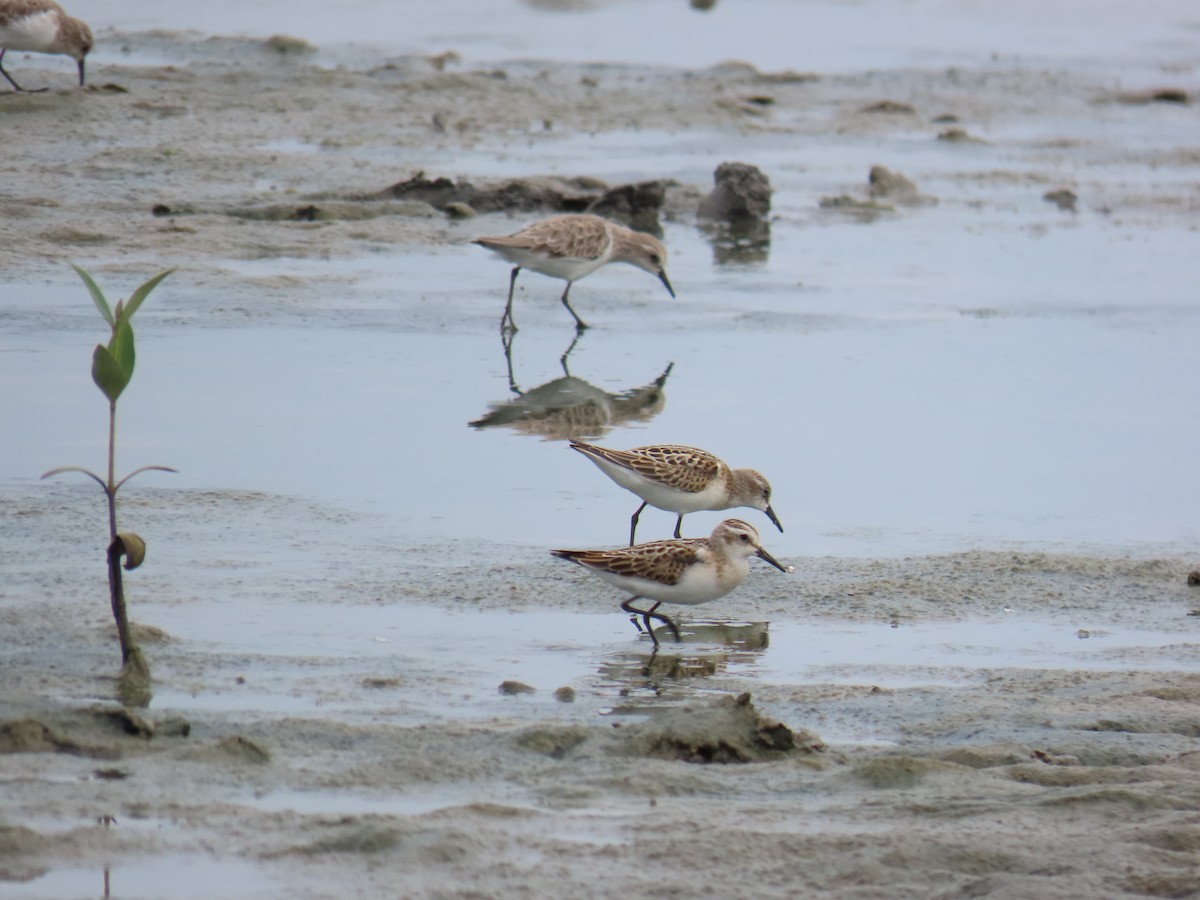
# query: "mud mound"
[[727, 730]]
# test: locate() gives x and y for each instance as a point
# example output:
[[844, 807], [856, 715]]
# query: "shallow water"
[[989, 371], [183, 877], [828, 36], [1046, 404], [352, 663]]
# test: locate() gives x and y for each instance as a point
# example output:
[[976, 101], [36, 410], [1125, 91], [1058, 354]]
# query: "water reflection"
[[638, 669], [738, 243], [660, 669], [569, 407]]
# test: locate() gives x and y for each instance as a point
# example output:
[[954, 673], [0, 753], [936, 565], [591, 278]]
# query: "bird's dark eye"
[[744, 537], [655, 259]]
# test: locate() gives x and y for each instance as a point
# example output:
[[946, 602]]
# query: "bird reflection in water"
[[569, 407], [741, 644], [734, 635]]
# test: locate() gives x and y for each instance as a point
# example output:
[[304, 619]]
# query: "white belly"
[[564, 267], [35, 32], [699, 584], [660, 495]]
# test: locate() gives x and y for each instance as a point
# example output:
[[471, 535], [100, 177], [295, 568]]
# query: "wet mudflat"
[[976, 408]]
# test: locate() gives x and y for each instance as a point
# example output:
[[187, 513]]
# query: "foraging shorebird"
[[42, 27], [681, 480], [570, 247], [688, 571]]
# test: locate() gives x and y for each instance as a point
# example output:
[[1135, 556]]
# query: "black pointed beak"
[[80, 64], [662, 276], [774, 518], [764, 555]]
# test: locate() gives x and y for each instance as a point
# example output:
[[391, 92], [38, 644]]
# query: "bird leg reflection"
[[508, 338], [562, 360], [648, 669]]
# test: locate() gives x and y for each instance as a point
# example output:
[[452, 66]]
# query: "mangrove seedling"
[[112, 369]]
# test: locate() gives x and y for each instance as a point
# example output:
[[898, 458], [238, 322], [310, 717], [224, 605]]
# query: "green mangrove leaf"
[[97, 295], [121, 347], [141, 294], [108, 374]]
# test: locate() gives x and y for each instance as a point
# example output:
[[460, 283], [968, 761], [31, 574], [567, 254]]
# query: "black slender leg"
[[650, 628], [651, 614], [633, 522], [579, 323], [633, 614], [647, 615], [506, 321], [5, 74], [12, 82], [678, 525]]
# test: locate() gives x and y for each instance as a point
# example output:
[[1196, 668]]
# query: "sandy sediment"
[[662, 771], [177, 162]]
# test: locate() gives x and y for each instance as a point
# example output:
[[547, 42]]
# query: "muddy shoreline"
[[367, 749], [970, 779], [184, 162]]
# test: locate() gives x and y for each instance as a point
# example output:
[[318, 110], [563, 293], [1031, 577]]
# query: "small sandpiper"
[[688, 571], [681, 480], [570, 247], [42, 27]]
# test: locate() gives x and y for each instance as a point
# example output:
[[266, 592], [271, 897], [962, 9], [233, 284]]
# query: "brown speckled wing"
[[683, 468], [15, 10], [571, 237], [661, 561]]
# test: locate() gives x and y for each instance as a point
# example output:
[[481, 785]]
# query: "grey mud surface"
[[357, 774]]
